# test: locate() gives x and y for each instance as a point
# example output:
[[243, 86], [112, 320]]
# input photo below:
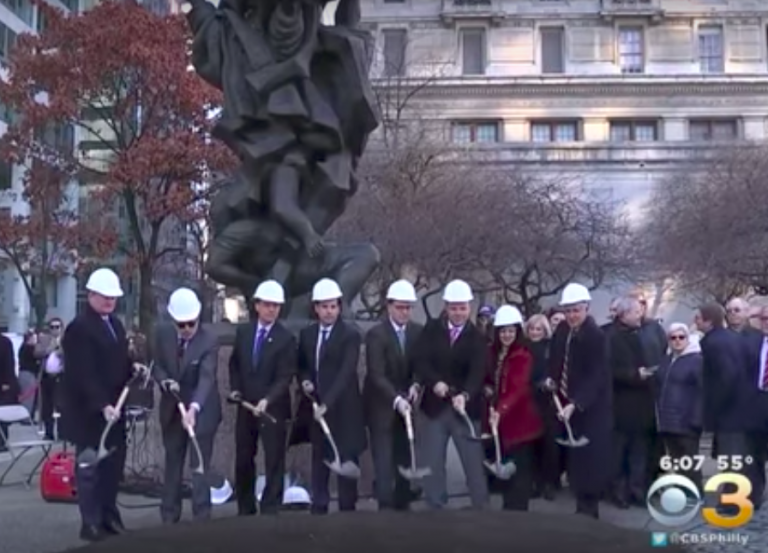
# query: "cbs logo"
[[674, 500]]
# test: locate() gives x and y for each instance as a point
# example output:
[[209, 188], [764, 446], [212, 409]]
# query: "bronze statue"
[[298, 110]]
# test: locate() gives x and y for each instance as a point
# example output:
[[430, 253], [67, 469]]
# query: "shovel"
[[412, 473], [463, 414], [347, 469], [571, 441], [89, 457], [199, 469], [502, 471], [252, 408]]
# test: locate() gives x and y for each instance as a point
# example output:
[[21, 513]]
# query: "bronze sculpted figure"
[[298, 110]]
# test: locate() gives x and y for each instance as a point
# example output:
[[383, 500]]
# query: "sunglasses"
[[54, 327], [188, 324], [676, 338]]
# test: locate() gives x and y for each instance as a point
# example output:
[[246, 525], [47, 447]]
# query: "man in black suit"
[[756, 346], [329, 351], [725, 381], [98, 367], [390, 390], [262, 365], [186, 356], [451, 361]]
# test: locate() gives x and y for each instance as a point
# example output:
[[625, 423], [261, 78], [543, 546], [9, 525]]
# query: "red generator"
[[57, 478]]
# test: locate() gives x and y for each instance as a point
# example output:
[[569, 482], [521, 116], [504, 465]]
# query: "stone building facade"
[[617, 92]]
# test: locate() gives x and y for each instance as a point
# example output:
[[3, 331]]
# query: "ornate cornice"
[[746, 85]]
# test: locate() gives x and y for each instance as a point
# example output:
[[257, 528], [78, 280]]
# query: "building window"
[[7, 40], [6, 175], [473, 60], [481, 132], [22, 8], [634, 131], [395, 42], [631, 49], [554, 131], [552, 50], [711, 56], [713, 129]]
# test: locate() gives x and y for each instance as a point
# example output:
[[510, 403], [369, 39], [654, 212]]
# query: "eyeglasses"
[[677, 338], [188, 324]]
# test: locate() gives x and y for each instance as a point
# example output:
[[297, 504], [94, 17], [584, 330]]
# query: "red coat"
[[520, 421]]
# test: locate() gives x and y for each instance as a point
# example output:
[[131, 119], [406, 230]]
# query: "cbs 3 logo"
[[674, 500]]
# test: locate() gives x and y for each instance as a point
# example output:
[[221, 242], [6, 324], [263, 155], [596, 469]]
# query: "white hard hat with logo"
[[104, 282], [271, 291], [326, 289], [183, 305], [508, 315], [575, 293], [457, 291], [401, 290]]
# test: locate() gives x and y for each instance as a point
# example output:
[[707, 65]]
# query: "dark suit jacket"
[[461, 366], [725, 381], [9, 396], [755, 397], [195, 373], [389, 370], [98, 367], [337, 384], [268, 376]]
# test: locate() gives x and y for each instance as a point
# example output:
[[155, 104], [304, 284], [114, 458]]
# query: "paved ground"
[[29, 525]]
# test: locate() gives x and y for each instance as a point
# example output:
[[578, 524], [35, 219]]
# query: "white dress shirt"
[[761, 371]]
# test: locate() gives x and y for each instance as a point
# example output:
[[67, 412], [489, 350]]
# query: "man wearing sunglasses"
[[186, 357]]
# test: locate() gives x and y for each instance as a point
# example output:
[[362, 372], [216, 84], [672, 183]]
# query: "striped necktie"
[[564, 373]]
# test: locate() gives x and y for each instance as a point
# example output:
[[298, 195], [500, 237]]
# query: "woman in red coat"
[[512, 404]]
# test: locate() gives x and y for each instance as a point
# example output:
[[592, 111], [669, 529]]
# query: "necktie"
[[455, 331], [180, 349], [564, 374], [765, 375], [260, 335], [401, 338], [110, 327], [321, 346]]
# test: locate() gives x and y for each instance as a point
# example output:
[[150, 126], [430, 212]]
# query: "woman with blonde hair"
[[546, 452], [679, 396]]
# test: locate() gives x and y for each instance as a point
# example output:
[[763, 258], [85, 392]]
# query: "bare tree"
[[708, 225]]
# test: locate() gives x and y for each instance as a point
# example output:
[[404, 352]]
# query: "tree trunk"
[[147, 303], [39, 304]]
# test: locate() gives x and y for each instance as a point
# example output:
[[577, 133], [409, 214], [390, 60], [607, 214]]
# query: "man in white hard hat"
[[186, 359], [581, 379], [329, 351], [451, 363], [98, 367], [261, 367], [390, 390]]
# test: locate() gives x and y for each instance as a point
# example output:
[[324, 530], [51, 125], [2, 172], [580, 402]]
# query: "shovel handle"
[[183, 413], [566, 423], [409, 426], [494, 424]]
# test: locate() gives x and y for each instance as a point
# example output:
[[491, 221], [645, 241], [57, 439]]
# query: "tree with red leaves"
[[118, 74], [45, 241]]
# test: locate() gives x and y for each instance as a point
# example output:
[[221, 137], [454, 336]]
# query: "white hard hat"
[[326, 289], [104, 282], [575, 293], [220, 495], [183, 305], [271, 291], [457, 291], [508, 315], [401, 290]]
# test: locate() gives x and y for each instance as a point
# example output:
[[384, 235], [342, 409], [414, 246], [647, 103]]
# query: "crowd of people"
[[570, 400]]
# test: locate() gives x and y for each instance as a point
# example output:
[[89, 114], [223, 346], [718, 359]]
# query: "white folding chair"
[[18, 414]]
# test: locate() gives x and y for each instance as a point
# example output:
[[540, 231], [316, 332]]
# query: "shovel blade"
[[414, 473], [347, 469], [581, 442], [87, 458], [503, 471]]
